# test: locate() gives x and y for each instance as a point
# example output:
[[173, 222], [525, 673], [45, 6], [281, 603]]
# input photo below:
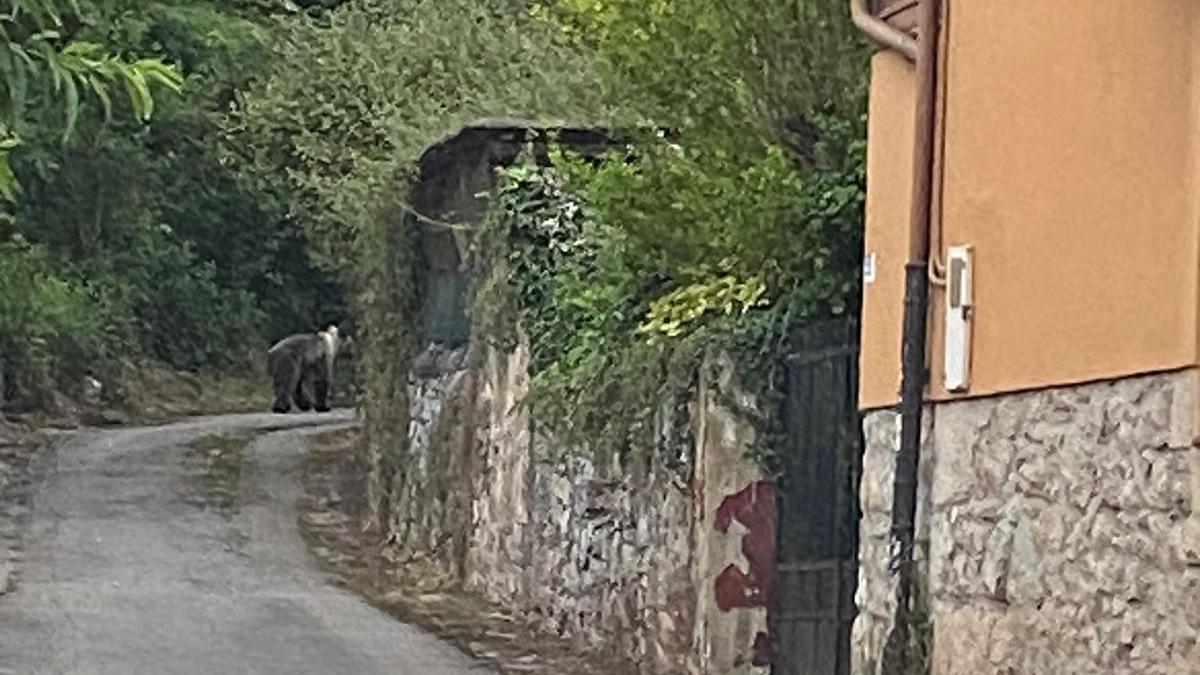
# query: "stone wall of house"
[[875, 595], [637, 560], [1059, 530]]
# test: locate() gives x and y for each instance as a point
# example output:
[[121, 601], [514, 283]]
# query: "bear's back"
[[291, 342]]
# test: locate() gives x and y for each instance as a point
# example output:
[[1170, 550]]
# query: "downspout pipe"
[[914, 373], [881, 32]]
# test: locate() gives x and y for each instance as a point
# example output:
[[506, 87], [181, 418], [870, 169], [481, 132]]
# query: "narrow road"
[[133, 567]]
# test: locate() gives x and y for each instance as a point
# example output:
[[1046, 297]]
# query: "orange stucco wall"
[[889, 188], [1069, 165]]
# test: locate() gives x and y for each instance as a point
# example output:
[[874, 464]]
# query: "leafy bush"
[[170, 253], [45, 333], [46, 65], [383, 79], [623, 273], [725, 237], [336, 130]]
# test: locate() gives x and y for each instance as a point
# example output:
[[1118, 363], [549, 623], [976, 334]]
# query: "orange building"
[[1055, 525]]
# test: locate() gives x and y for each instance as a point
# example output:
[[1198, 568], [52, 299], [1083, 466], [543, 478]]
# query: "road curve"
[[128, 572]]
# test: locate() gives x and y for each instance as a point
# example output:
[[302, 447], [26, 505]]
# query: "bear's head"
[[330, 336]]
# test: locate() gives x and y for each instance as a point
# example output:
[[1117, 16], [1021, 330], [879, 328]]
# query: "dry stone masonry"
[[619, 559]]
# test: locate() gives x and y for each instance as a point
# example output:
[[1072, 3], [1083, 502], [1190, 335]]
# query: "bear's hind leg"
[[283, 376], [322, 390], [303, 397]]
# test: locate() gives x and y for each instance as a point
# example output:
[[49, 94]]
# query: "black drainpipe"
[[898, 655], [914, 375]]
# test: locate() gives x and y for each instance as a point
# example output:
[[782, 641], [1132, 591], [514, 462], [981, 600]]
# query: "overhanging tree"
[[43, 65]]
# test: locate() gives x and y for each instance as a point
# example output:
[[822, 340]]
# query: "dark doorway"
[[820, 462]]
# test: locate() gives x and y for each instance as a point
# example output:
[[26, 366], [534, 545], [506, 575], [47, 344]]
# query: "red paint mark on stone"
[[754, 508]]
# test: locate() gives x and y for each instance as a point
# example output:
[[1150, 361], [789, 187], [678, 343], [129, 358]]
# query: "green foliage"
[[174, 255], [42, 62], [379, 83], [9, 187], [338, 126], [670, 315], [548, 264], [609, 344], [624, 274], [734, 73], [43, 325]]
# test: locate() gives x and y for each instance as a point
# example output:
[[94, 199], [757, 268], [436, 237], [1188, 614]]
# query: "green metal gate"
[[821, 460]]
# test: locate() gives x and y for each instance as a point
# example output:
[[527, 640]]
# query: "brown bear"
[[301, 370]]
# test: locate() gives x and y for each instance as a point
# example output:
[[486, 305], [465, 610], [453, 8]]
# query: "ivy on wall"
[[622, 273], [338, 127], [621, 295], [726, 236]]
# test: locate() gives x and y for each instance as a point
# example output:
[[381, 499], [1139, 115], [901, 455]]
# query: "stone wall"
[[875, 595], [1058, 529], [736, 524], [624, 560], [431, 494], [660, 562]]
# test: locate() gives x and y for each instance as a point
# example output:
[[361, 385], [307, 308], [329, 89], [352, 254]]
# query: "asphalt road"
[[131, 568]]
